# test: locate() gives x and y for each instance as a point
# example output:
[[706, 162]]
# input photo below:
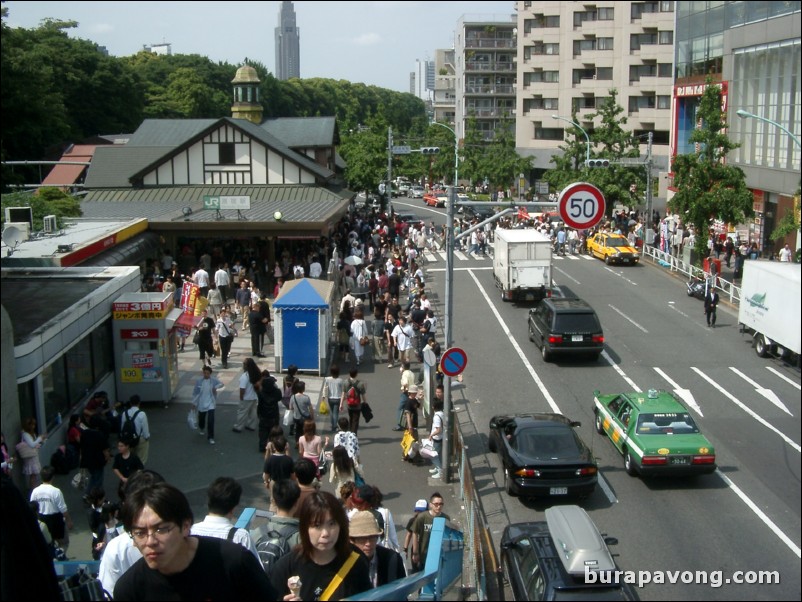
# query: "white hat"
[[412, 389]]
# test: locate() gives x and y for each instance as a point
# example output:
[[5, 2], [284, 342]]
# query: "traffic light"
[[598, 163], [430, 150]]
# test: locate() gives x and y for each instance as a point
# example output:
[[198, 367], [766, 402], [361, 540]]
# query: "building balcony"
[[505, 43], [500, 89], [490, 67]]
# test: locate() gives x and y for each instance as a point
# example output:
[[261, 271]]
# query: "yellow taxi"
[[613, 248]]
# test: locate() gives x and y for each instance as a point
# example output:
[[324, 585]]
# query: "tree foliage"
[[608, 140], [706, 187], [47, 201]]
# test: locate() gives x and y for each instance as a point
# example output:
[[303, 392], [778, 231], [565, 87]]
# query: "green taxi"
[[655, 433]]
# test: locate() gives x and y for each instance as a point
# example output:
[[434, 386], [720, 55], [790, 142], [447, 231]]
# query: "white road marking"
[[485, 268], [684, 394], [606, 489], [572, 279], [627, 318], [618, 369], [552, 404], [748, 410], [760, 514], [785, 378], [682, 313], [614, 273], [767, 393], [460, 255]]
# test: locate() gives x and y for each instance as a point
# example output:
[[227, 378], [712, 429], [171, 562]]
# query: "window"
[[604, 73], [664, 69], [604, 44], [638, 71], [665, 37], [636, 103], [549, 104], [542, 133], [541, 77], [606, 14], [667, 6], [227, 153], [664, 102]]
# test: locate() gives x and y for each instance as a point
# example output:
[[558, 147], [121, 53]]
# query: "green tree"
[[365, 153], [707, 188], [502, 163], [46, 201]]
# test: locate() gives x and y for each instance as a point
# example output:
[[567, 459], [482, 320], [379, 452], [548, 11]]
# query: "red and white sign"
[[581, 205], [139, 333], [143, 305]]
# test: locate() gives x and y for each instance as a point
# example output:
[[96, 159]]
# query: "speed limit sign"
[[581, 205]]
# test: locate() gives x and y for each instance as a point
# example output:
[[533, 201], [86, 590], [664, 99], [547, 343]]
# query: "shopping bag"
[[406, 442], [80, 479], [288, 421], [192, 419], [323, 408], [427, 449]]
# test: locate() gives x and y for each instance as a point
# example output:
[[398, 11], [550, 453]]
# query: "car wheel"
[[761, 348], [544, 352], [629, 464], [531, 333], [599, 424], [491, 444], [607, 260], [508, 486]]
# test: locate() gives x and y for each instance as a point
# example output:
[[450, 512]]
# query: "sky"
[[376, 43]]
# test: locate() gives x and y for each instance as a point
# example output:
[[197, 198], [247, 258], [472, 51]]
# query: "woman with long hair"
[[343, 468], [29, 451], [246, 412], [311, 445], [310, 571]]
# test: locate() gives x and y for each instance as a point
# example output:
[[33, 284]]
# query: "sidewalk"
[[190, 463]]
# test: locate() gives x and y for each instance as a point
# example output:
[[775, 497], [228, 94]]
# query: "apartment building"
[[570, 54], [485, 71], [445, 86]]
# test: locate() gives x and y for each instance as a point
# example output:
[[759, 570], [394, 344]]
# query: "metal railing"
[[676, 264], [481, 569]]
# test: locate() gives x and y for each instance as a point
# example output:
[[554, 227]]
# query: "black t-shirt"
[[128, 465], [412, 406], [316, 578], [220, 570], [255, 322], [93, 442], [279, 467]]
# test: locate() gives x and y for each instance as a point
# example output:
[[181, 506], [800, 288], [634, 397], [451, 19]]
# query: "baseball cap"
[[421, 505]]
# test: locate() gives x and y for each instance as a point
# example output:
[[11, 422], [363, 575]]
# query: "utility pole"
[[648, 186], [389, 187]]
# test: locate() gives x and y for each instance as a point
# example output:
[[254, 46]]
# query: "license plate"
[[558, 491], [679, 460], [577, 338]]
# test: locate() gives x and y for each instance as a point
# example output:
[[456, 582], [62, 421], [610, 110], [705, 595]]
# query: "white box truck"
[[770, 306], [522, 264]]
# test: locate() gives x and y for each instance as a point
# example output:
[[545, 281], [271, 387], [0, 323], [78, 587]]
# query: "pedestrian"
[[422, 530], [355, 396], [94, 453], [205, 330], [402, 336], [278, 467], [246, 411], [332, 394], [311, 445], [225, 334], [711, 302], [257, 325], [347, 438], [141, 427], [222, 279], [785, 254], [264, 310], [125, 464], [420, 506], [325, 552], [178, 565], [359, 334], [386, 565], [215, 299], [8, 458], [305, 473], [407, 380], [269, 396], [243, 302], [436, 435], [222, 498], [282, 526], [344, 333], [204, 399], [28, 450], [52, 508], [201, 278], [343, 469], [411, 412], [301, 408]]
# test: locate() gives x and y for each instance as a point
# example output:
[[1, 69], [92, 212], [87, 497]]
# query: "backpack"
[[274, 544], [128, 429], [353, 397]]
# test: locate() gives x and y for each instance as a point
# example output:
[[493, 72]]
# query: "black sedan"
[[542, 456]]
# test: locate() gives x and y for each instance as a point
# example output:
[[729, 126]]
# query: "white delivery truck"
[[770, 306], [522, 264]]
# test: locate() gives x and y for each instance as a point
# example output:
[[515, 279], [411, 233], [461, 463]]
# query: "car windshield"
[[569, 322], [547, 443], [680, 423], [617, 242]]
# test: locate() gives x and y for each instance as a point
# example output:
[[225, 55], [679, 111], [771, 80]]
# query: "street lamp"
[[743, 114], [449, 325], [581, 129]]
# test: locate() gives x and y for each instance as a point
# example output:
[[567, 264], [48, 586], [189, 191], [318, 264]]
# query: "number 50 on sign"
[[581, 205]]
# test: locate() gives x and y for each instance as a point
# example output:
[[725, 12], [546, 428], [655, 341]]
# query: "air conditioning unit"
[[16, 232], [49, 224]]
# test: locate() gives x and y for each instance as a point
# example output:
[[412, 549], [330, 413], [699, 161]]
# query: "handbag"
[[80, 479], [323, 408], [288, 421], [192, 419], [322, 464], [196, 338], [25, 451], [406, 442], [367, 412], [427, 449], [364, 341]]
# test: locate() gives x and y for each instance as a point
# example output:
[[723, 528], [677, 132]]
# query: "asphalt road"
[[745, 517]]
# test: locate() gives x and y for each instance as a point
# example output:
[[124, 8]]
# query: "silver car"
[[416, 192]]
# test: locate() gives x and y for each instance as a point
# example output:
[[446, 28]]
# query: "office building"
[[288, 44]]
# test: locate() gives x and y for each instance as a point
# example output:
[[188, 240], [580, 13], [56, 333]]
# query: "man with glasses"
[[177, 565], [422, 531], [386, 565]]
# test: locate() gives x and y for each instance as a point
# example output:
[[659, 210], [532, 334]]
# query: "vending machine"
[[145, 352]]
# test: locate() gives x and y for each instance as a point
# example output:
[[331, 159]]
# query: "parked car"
[[409, 218], [654, 432], [437, 198], [613, 248], [416, 192], [542, 456], [562, 326], [548, 560], [403, 189]]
